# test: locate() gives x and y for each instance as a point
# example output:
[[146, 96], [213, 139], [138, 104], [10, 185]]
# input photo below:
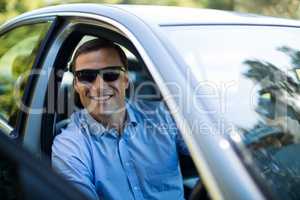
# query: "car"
[[230, 81]]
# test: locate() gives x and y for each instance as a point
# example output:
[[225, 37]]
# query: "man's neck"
[[114, 120]]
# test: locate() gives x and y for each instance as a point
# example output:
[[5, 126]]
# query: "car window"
[[18, 50], [251, 77], [144, 93]]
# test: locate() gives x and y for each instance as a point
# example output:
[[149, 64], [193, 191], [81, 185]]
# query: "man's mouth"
[[102, 98]]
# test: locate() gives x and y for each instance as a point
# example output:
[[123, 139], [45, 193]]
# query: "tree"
[[12, 8], [281, 8], [219, 4]]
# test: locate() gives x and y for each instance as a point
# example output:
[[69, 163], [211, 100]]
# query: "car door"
[[22, 176]]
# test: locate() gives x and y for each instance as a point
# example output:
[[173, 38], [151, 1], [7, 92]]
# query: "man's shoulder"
[[71, 141], [150, 109], [70, 148], [144, 106], [72, 130]]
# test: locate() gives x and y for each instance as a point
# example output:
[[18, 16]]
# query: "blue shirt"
[[141, 163]]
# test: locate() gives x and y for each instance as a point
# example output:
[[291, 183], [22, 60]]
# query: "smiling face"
[[100, 97]]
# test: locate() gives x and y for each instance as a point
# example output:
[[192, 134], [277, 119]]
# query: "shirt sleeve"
[[68, 159], [181, 146]]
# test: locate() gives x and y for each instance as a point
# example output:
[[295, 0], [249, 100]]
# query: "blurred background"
[[280, 8]]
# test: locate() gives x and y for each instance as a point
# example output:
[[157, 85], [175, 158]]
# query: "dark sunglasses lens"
[[87, 76], [110, 76]]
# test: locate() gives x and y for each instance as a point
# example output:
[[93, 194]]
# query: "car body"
[[153, 35]]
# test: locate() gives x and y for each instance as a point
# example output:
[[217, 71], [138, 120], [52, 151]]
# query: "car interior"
[[66, 101]]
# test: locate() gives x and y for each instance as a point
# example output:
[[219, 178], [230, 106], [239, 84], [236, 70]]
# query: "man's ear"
[[126, 79], [75, 85]]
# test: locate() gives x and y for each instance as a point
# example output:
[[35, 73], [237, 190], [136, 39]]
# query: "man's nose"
[[99, 83]]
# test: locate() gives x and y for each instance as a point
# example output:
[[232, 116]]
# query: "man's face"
[[100, 97]]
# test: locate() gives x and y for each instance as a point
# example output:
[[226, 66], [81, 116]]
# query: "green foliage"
[[219, 4], [12, 8], [282, 8], [17, 53]]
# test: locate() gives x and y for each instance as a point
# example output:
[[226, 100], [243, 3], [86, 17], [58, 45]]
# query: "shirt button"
[[127, 164], [135, 188]]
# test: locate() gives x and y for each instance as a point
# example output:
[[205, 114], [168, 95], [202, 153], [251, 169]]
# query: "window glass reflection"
[[259, 67]]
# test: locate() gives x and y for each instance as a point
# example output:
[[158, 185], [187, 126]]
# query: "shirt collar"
[[94, 127], [97, 129]]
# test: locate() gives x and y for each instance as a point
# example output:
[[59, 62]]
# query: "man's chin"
[[105, 110]]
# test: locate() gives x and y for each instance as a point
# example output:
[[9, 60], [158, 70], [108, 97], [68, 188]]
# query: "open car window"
[[142, 88]]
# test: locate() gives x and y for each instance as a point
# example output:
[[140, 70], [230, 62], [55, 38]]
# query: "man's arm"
[[69, 160], [181, 146]]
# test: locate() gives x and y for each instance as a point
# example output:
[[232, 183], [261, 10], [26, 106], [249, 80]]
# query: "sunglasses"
[[108, 74]]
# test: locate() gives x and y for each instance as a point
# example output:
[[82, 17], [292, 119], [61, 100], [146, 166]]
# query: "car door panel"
[[22, 176]]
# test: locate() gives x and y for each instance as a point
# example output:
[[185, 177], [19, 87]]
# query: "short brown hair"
[[96, 44]]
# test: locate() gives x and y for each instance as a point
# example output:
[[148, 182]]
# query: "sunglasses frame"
[[99, 72]]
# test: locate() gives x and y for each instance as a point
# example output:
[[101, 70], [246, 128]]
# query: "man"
[[113, 149]]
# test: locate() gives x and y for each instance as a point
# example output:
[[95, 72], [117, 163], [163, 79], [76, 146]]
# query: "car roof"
[[184, 15], [164, 15]]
